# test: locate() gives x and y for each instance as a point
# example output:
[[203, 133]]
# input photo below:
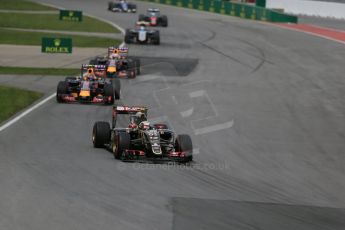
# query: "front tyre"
[[121, 142], [62, 88], [100, 134], [184, 144]]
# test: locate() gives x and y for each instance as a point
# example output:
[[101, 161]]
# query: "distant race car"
[[90, 87], [154, 18], [122, 6], [142, 35], [118, 64], [141, 141]]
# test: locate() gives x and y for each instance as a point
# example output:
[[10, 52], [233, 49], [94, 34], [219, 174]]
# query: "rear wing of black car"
[[129, 109]]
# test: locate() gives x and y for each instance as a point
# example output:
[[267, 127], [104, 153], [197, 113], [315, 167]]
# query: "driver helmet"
[[86, 77], [139, 115], [114, 55], [144, 125], [89, 74]]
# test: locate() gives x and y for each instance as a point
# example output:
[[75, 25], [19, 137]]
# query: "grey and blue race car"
[[118, 63], [142, 35], [122, 6]]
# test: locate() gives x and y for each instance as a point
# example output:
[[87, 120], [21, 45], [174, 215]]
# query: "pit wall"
[[232, 9]]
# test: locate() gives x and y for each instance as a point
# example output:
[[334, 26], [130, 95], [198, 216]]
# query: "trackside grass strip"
[[38, 71], [15, 37], [13, 100], [22, 5], [52, 22]]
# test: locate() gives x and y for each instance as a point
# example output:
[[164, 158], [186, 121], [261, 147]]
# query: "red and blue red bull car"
[[90, 87], [118, 63]]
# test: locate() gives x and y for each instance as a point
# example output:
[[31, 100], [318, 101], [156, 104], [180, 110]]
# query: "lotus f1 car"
[[90, 87], [154, 18], [122, 6], [142, 35], [118, 64], [141, 141]]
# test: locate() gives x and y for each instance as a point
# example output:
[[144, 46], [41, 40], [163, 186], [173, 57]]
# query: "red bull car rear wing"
[[97, 70], [121, 51]]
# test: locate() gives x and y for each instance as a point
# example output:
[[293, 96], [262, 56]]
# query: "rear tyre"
[[109, 92], [132, 69], [164, 21], [141, 17], [117, 88], [132, 7], [100, 134], [128, 37], [137, 65], [62, 88], [121, 142], [184, 144], [110, 6], [156, 38]]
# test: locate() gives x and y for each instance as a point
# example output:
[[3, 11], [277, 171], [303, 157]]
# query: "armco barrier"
[[233, 9]]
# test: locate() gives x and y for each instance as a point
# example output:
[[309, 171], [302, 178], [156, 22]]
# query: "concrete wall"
[[311, 8]]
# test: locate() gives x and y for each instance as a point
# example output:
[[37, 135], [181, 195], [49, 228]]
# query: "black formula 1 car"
[[142, 35], [122, 6], [154, 18], [141, 141], [118, 64], [90, 87]]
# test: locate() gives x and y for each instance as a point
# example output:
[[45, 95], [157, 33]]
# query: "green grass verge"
[[13, 100], [38, 71], [52, 22], [22, 5], [15, 37]]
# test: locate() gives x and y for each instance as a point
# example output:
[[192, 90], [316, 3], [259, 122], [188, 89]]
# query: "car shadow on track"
[[168, 66]]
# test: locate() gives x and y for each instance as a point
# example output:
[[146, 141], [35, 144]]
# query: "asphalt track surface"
[[265, 110]]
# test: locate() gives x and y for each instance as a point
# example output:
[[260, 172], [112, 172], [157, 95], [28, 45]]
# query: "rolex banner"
[[71, 15], [56, 45]]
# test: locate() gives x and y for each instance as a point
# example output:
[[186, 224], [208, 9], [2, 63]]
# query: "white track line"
[[26, 112], [29, 110]]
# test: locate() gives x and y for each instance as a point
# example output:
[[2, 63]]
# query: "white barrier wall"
[[311, 8]]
